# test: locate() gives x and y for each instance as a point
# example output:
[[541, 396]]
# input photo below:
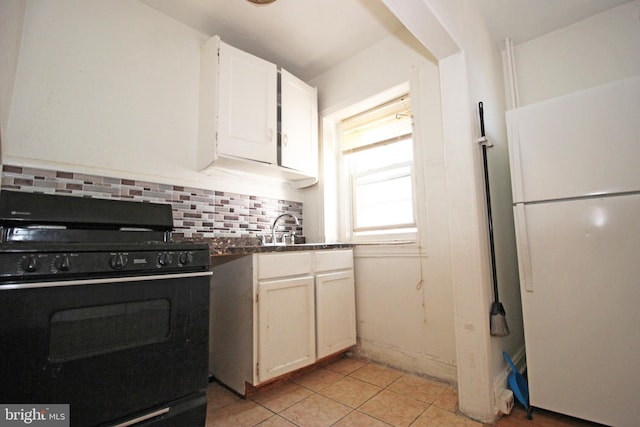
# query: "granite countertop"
[[245, 250], [220, 246]]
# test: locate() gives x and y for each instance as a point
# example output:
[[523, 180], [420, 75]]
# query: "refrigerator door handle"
[[517, 183], [522, 241]]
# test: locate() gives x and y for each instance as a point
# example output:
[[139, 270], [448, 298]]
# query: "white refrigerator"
[[575, 171]]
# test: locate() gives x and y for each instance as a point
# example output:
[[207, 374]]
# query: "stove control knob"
[[63, 263], [118, 261], [165, 258], [186, 258], [31, 264]]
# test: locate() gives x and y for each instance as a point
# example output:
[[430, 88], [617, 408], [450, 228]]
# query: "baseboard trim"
[[500, 382], [407, 361]]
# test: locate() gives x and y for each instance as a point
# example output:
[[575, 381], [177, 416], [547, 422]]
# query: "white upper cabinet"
[[247, 114], [238, 123], [299, 135], [238, 110]]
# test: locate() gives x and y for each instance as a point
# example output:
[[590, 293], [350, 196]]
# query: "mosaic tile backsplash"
[[197, 213]]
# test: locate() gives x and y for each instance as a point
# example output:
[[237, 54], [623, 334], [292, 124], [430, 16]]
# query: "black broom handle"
[[488, 198]]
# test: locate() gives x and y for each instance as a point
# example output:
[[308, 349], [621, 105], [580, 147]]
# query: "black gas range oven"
[[100, 311]]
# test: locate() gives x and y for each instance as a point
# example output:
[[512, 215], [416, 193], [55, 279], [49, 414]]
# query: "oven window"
[[82, 332]]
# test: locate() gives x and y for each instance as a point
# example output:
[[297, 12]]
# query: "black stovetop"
[[57, 237]]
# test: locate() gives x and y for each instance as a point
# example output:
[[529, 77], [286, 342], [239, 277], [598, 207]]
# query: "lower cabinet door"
[[336, 312], [286, 326]]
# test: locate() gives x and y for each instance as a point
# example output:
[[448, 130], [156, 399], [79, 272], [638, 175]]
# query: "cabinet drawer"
[[334, 260], [281, 265]]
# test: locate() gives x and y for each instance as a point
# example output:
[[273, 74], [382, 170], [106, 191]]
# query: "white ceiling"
[[307, 37], [523, 20]]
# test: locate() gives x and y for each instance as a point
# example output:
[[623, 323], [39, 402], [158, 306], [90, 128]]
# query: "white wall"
[[375, 69], [111, 88], [471, 75], [594, 51], [485, 80], [11, 17], [403, 293]]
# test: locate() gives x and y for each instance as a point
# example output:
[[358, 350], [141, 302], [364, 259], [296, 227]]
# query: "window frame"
[[382, 233], [354, 205]]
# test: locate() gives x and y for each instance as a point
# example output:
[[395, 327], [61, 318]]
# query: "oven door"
[[114, 349]]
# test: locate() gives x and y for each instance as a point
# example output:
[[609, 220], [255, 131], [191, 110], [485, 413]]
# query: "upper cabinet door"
[[247, 107], [299, 134]]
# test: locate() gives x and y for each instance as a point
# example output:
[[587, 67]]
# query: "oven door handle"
[[143, 418], [99, 281]]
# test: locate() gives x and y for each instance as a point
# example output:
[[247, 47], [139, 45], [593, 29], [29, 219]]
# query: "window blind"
[[379, 125]]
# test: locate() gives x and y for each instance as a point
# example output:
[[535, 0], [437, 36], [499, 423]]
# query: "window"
[[377, 156]]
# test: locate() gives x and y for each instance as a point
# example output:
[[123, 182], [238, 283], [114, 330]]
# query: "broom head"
[[498, 320]]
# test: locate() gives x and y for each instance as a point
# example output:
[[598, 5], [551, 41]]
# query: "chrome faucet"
[[273, 227]]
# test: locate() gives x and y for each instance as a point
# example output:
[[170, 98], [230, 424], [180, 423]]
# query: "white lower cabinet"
[[335, 301], [274, 313], [336, 312], [286, 326]]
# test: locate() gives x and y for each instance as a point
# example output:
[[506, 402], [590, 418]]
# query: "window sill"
[[389, 249]]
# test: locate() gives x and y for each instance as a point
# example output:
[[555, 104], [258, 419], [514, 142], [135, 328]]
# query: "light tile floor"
[[353, 392]]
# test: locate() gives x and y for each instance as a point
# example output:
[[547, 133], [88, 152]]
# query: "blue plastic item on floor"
[[518, 383]]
